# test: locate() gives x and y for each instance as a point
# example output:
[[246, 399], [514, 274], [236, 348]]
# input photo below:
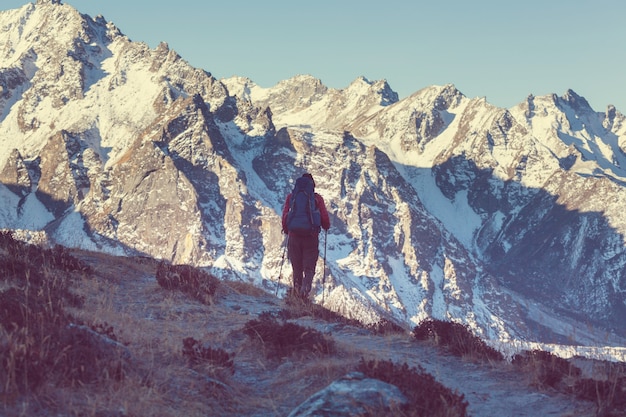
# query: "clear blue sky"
[[499, 49]]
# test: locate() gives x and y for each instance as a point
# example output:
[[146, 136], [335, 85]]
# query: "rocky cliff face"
[[441, 206]]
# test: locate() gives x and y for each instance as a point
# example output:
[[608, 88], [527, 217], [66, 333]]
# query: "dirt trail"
[[492, 390], [126, 295]]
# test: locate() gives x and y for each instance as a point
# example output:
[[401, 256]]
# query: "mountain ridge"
[[117, 147]]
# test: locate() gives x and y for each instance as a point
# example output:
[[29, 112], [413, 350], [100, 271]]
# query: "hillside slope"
[[123, 301]]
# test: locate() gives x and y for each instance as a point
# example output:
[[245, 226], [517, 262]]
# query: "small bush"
[[187, 279], [196, 353], [385, 326], [427, 397], [609, 394], [457, 338], [284, 338], [547, 369], [105, 330], [58, 258]]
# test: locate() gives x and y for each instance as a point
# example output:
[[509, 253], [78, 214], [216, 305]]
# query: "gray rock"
[[352, 395]]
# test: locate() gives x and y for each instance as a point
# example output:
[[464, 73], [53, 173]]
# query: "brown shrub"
[[547, 369], [187, 279], [608, 393], [427, 397], [283, 338], [197, 353], [457, 338]]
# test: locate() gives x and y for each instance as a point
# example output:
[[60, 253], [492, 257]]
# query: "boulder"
[[352, 395]]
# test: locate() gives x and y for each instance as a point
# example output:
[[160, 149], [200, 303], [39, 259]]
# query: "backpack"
[[303, 217]]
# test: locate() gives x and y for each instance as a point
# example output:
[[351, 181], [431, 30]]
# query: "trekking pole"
[[282, 261], [324, 273]]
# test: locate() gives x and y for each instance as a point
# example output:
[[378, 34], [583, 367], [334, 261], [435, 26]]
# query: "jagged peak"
[[570, 98], [239, 80], [441, 96], [67, 21], [576, 101], [360, 80], [241, 87], [611, 111], [303, 86], [449, 93], [301, 79], [162, 47], [379, 87]]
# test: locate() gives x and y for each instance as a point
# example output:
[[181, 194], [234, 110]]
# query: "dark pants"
[[303, 253]]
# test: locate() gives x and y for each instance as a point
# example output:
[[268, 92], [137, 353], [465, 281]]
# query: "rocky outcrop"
[[15, 174], [352, 395]]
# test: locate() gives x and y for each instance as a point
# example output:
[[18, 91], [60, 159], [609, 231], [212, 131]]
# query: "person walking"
[[304, 215]]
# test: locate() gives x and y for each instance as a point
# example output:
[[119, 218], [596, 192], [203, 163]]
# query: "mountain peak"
[[442, 97], [380, 88], [301, 79], [576, 101], [48, 2]]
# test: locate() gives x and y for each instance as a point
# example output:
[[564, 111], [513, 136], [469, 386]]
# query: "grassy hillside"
[[86, 334]]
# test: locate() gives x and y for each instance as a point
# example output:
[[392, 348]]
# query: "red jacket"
[[319, 203]]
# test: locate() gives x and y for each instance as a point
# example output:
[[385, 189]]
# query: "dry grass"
[[457, 339], [547, 371], [152, 341], [194, 348], [240, 288], [541, 369]]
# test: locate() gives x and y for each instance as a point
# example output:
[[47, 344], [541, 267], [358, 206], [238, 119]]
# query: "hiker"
[[304, 215]]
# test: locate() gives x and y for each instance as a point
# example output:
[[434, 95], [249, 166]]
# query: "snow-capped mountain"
[[441, 206]]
